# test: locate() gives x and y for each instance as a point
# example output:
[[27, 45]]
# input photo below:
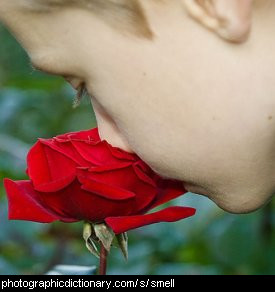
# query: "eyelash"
[[81, 92]]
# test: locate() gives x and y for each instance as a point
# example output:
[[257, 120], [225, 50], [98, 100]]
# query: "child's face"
[[193, 106]]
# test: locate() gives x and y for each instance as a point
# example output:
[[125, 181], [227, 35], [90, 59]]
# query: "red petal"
[[121, 154], [66, 148], [106, 191], [108, 167], [97, 154], [74, 202], [90, 135], [48, 169], [142, 175], [167, 191], [171, 214], [118, 182], [25, 204], [56, 185]]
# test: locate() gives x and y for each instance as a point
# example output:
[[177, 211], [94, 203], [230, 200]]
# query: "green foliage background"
[[35, 105]]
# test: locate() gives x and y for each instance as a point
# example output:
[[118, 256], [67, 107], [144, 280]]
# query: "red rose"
[[76, 176]]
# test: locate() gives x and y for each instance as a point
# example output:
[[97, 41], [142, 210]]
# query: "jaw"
[[236, 203]]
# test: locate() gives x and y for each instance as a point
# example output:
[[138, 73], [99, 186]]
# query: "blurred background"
[[35, 105]]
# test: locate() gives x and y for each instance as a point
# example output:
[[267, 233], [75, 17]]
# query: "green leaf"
[[87, 235], [87, 231], [104, 234], [91, 246], [122, 240]]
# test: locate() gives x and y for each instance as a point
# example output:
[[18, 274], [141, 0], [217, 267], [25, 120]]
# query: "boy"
[[196, 104]]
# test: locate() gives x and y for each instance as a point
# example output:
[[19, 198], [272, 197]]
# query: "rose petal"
[[104, 190], [109, 167], [121, 154], [171, 214], [66, 148], [75, 202], [97, 154], [143, 175], [48, 169], [25, 203], [124, 180], [90, 135], [56, 185], [63, 144], [167, 191]]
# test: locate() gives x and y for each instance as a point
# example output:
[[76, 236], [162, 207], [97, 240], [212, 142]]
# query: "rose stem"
[[103, 260]]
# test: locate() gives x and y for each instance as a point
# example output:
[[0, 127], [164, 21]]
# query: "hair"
[[124, 15]]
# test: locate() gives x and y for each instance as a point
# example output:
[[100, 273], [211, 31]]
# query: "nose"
[[108, 129]]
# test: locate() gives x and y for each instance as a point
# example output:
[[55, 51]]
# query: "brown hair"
[[125, 15]]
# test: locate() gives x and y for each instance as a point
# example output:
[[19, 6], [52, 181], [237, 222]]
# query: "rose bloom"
[[77, 176]]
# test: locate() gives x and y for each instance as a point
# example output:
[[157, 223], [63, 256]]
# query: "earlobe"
[[231, 20]]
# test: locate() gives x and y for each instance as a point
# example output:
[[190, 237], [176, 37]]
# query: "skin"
[[191, 104]]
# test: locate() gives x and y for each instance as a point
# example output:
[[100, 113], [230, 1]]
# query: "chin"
[[235, 203], [238, 205]]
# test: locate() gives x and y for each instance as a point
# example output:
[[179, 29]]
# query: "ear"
[[230, 19]]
